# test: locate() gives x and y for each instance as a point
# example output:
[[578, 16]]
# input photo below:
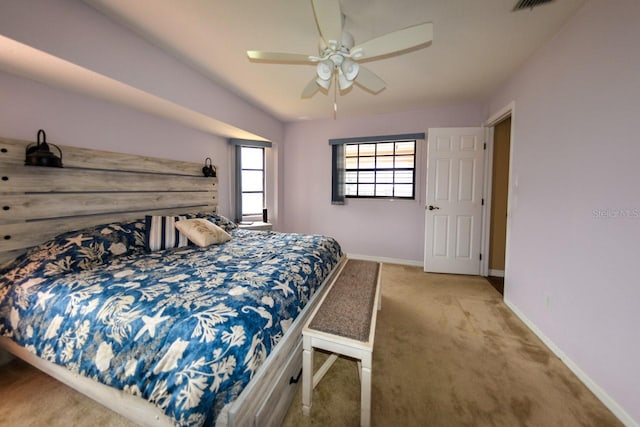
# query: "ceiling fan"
[[339, 57]]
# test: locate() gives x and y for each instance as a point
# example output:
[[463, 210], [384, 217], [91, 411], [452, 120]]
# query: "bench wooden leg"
[[365, 391], [307, 375], [317, 377]]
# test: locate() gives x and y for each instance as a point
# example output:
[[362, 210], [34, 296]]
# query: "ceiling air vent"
[[529, 4]]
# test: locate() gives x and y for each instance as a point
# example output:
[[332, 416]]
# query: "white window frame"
[[240, 143]]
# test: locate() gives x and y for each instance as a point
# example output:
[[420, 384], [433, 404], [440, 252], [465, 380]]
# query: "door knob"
[[431, 207]]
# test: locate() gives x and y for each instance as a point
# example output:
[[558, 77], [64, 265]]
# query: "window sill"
[[256, 225]]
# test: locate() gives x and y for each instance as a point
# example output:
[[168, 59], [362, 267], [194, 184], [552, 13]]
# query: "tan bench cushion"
[[347, 308]]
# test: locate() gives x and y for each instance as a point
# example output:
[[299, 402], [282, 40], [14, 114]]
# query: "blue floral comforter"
[[185, 329]]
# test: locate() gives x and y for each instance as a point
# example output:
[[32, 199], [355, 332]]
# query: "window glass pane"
[[385, 148], [366, 177], [374, 169], [351, 150], [384, 162], [404, 162], [351, 163], [251, 158], [252, 203], [367, 162], [404, 177], [252, 181], [351, 190], [384, 190], [366, 189], [403, 190], [405, 147], [367, 149], [384, 177]]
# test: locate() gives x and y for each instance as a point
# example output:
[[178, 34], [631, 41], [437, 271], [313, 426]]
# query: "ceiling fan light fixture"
[[324, 69], [344, 82], [350, 69]]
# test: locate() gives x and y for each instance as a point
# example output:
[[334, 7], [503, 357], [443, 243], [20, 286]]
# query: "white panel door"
[[455, 167]]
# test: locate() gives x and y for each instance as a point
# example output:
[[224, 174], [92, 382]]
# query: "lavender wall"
[[380, 228], [81, 121], [76, 32], [572, 263]]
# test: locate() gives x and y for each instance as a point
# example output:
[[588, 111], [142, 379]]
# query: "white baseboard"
[[386, 260], [607, 400], [496, 273]]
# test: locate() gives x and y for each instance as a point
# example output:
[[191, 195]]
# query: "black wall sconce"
[[40, 154], [208, 169]]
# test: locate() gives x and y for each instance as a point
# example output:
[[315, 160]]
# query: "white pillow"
[[202, 232]]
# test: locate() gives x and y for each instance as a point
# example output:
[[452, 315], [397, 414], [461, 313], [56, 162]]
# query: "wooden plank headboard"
[[94, 187]]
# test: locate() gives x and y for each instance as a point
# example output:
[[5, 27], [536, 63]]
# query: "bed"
[[184, 335]]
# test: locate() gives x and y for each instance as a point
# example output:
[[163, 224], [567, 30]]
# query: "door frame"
[[500, 115]]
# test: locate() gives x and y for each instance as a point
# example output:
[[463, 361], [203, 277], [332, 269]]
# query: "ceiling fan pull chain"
[[335, 96]]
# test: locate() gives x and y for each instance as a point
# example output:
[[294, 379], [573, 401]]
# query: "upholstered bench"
[[344, 323]]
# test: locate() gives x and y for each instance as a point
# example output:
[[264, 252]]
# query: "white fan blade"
[[396, 41], [368, 80], [329, 19], [258, 55], [311, 89]]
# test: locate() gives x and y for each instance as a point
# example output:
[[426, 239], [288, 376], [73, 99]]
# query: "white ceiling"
[[477, 45]]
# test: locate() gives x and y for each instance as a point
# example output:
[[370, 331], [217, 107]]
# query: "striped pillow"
[[161, 233]]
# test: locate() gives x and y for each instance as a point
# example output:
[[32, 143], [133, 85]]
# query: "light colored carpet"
[[448, 352]]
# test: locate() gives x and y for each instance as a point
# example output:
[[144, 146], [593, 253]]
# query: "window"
[[252, 180], [374, 167], [380, 169]]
